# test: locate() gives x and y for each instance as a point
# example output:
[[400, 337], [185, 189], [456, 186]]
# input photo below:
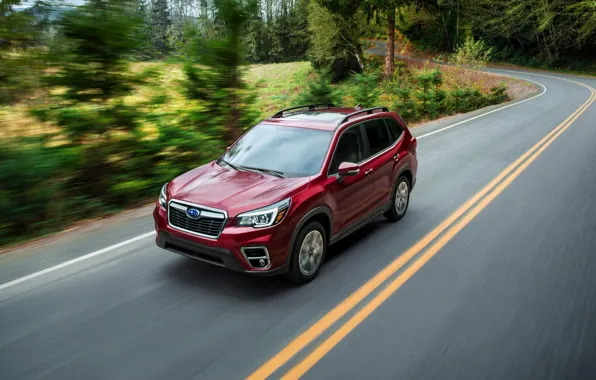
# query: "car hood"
[[233, 190]]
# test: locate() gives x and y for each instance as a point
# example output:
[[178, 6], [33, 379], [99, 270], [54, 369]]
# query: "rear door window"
[[378, 136], [395, 128]]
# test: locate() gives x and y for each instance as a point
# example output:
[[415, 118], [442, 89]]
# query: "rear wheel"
[[400, 199], [308, 253]]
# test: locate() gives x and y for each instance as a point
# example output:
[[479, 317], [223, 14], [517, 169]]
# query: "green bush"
[[365, 89], [319, 91], [406, 106], [33, 184], [472, 53], [43, 189]]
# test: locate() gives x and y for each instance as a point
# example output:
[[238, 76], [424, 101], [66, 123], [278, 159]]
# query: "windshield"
[[288, 150]]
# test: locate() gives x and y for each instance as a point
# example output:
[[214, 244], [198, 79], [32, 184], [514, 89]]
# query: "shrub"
[[319, 91], [405, 105], [33, 183], [472, 53], [365, 89]]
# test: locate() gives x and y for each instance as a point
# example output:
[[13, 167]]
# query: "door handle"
[[368, 172], [398, 156]]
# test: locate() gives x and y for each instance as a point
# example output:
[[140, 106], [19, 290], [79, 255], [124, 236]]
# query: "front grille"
[[210, 225]]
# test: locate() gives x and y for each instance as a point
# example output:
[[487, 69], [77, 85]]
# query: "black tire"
[[295, 273], [393, 215]]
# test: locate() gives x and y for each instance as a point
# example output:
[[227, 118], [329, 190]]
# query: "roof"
[[325, 118]]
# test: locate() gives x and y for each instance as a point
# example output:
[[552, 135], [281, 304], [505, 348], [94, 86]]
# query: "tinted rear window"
[[396, 129], [378, 136]]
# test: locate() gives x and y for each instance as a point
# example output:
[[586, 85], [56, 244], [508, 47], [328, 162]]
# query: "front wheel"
[[308, 253], [400, 199]]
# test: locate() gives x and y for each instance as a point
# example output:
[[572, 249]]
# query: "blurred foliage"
[[104, 161], [19, 61], [88, 77], [214, 77], [33, 180], [160, 22]]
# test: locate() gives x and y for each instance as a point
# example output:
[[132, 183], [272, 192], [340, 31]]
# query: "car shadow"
[[342, 247], [205, 277]]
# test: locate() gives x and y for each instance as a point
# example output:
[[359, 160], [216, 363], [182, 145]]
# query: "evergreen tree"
[[219, 86], [337, 28], [319, 92], [160, 25], [17, 33], [91, 71]]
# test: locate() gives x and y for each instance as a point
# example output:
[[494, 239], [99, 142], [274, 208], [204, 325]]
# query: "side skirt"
[[359, 223]]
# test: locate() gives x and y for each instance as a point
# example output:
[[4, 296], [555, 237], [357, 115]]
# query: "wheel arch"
[[408, 174], [321, 214]]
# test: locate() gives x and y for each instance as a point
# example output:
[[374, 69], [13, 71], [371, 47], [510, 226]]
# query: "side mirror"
[[348, 169]]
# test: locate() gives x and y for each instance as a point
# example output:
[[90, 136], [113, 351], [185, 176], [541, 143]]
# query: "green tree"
[[534, 27], [17, 63], [319, 91], [160, 24], [336, 27], [218, 85], [282, 38], [472, 53], [366, 89], [89, 76], [584, 19], [384, 11]]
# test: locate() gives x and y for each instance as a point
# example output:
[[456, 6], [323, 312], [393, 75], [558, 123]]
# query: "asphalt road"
[[510, 295]]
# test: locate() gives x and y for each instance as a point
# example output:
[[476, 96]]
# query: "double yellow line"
[[444, 232]]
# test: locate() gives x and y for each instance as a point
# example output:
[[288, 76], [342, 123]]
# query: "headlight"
[[266, 216], [163, 196]]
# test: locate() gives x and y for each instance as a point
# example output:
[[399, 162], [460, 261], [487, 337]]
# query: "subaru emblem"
[[193, 213]]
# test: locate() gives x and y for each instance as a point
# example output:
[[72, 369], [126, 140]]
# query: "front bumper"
[[229, 250]]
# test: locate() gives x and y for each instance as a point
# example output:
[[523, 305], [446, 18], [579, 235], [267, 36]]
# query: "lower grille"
[[208, 224], [257, 257], [194, 254]]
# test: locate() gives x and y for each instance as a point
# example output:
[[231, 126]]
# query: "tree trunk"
[[390, 45], [360, 63]]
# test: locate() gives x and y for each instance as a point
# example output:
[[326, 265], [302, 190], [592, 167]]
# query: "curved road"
[[506, 289]]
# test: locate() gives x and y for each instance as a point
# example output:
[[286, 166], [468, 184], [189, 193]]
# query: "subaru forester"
[[290, 187]]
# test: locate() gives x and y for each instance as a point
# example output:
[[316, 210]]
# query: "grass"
[[277, 86], [457, 77]]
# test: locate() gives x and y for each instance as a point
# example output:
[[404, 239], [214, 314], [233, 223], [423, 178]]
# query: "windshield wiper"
[[268, 171], [229, 164]]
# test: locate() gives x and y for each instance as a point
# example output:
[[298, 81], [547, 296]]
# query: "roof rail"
[[367, 111], [311, 107]]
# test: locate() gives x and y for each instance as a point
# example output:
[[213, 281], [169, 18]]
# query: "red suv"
[[291, 186]]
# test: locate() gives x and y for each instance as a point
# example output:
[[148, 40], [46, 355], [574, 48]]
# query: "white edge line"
[[74, 261], [489, 112], [148, 234]]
